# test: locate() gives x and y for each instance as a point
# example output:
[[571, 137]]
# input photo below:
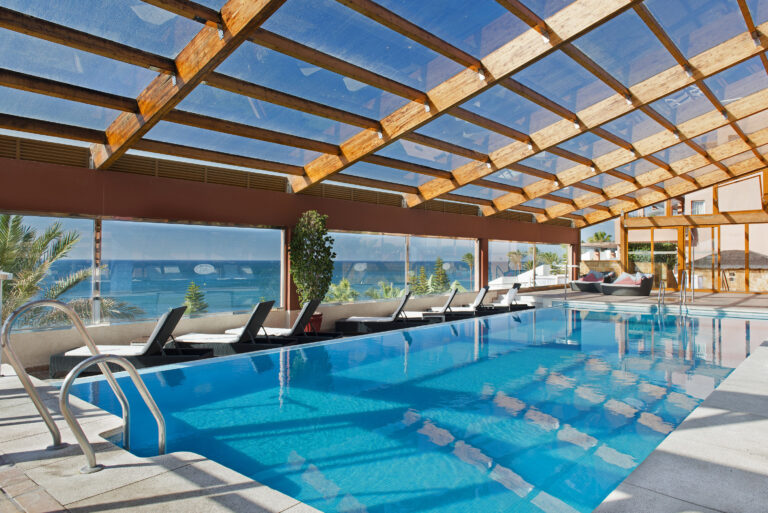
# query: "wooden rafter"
[[199, 57], [569, 22], [36, 126]]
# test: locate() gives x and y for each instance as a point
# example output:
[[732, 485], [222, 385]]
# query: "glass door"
[[702, 258]]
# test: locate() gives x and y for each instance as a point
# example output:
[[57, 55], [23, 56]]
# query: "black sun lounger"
[[149, 354], [223, 344], [296, 334], [395, 321], [411, 314]]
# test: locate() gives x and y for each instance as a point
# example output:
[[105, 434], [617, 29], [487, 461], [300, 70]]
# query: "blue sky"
[[605, 226]]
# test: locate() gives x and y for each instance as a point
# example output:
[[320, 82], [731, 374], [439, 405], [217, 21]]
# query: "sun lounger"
[[508, 302], [148, 354], [294, 334], [359, 325], [225, 343], [441, 310]]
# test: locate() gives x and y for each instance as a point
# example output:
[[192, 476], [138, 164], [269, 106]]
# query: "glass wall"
[[148, 268], [447, 263], [758, 257], [665, 257], [367, 266], [531, 265], [732, 259], [50, 258], [639, 251]]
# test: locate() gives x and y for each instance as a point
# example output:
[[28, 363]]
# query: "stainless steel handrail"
[[101, 360], [5, 345], [662, 292], [684, 288]]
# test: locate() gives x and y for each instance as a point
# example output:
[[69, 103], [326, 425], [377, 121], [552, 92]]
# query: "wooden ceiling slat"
[[191, 10], [36, 126], [406, 166], [178, 150], [55, 33], [199, 57], [402, 26], [252, 132]]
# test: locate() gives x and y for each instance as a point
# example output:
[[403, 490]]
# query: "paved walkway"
[[714, 300], [37, 480]]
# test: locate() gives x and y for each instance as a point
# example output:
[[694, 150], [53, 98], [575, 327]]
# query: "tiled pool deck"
[[715, 461]]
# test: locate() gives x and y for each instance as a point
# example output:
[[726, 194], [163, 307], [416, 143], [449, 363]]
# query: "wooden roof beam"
[[36, 126], [712, 61], [198, 58], [571, 21]]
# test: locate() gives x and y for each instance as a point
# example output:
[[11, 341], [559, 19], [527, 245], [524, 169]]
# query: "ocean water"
[[156, 285], [540, 411]]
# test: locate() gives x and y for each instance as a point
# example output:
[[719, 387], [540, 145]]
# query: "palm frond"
[[66, 283]]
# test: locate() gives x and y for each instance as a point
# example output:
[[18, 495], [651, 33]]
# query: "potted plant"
[[311, 256]]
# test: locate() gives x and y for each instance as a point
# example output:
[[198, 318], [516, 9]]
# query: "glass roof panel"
[[366, 170], [703, 170], [546, 8], [262, 66], [541, 203], [627, 49], [424, 155], [738, 158], [457, 131], [696, 26], [564, 81], [475, 191], [135, 24], [503, 106], [755, 122], [478, 31], [716, 137], [569, 192], [602, 180], [675, 153], [213, 4], [41, 58], [222, 104], [634, 126], [683, 105], [759, 10], [549, 162], [361, 41], [738, 81], [49, 108], [217, 141], [637, 167], [510, 177], [589, 145]]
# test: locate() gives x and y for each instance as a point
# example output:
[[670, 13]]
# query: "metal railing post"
[[101, 360], [5, 345]]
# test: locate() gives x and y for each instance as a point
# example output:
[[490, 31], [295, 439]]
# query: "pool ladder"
[[97, 359], [684, 286]]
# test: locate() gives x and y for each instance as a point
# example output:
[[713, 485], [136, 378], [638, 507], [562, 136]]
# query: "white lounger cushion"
[[272, 332], [368, 319], [208, 338], [414, 315], [132, 350], [463, 309]]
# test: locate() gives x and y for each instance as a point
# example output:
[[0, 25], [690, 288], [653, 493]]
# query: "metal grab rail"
[[5, 348], [662, 292], [684, 286], [102, 360]]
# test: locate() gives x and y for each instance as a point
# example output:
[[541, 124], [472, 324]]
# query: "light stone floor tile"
[[200, 487], [39, 501], [715, 477], [302, 508], [632, 499], [733, 430], [63, 480]]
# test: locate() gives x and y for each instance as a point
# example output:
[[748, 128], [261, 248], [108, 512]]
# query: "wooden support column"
[[483, 263], [624, 243], [575, 260], [681, 241], [290, 295]]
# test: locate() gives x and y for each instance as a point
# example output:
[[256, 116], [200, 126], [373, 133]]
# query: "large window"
[[148, 268], [367, 266], [50, 258], [531, 265], [551, 262], [697, 207], [446, 263]]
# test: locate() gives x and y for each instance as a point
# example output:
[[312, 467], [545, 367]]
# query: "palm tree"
[[385, 291], [515, 259], [469, 259], [29, 257], [600, 237], [552, 259], [341, 292]]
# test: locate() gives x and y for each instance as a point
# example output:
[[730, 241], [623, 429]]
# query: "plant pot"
[[314, 324]]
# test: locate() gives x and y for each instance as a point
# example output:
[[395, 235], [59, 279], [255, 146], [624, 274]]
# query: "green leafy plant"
[[341, 292], [311, 254], [600, 237], [385, 291], [29, 255], [440, 281], [195, 299], [419, 284], [555, 261]]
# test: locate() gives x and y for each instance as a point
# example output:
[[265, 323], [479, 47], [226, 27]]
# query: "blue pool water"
[[539, 411]]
